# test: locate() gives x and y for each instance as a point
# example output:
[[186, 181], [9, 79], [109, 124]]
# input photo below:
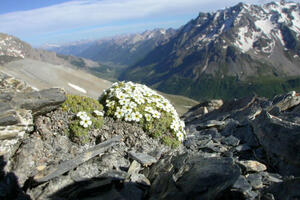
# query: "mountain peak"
[[11, 46]]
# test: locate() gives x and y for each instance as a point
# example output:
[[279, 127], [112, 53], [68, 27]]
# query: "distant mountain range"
[[124, 50]]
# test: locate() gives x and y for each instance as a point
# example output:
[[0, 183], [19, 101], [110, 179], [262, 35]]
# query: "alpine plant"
[[137, 103]]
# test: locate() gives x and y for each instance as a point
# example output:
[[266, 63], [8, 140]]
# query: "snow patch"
[[279, 36], [34, 88], [77, 88], [163, 32], [296, 22], [265, 25], [245, 42]]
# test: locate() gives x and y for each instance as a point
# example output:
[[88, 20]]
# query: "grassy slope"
[[181, 103], [229, 87]]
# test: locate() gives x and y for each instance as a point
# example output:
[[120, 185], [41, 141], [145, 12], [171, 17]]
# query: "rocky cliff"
[[243, 149]]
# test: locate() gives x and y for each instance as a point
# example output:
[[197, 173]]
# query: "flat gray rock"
[[39, 102], [71, 164], [242, 184], [142, 158]]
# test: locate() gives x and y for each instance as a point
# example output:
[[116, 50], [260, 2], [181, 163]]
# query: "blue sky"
[[59, 21]]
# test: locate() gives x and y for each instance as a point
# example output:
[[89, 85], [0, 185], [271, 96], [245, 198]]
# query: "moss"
[[75, 104], [170, 141]]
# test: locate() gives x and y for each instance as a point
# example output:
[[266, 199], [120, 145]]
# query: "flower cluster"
[[85, 119], [137, 103]]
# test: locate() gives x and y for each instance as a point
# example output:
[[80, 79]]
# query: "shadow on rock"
[[192, 177], [105, 188], [9, 187], [289, 190]]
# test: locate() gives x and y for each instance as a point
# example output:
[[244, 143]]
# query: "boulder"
[[202, 109], [281, 141], [286, 101], [192, 177], [39, 102]]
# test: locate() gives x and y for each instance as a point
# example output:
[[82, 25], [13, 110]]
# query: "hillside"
[[42, 75], [228, 53]]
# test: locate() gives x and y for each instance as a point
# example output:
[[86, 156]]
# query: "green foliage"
[[137, 103], [228, 87], [76, 104], [170, 141]]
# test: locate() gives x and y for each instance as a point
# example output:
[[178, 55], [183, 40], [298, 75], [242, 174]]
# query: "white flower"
[[148, 117], [132, 105], [86, 122], [149, 109], [123, 101], [81, 114], [119, 113], [180, 136], [99, 113], [136, 116], [127, 89], [159, 105], [156, 114], [174, 126], [140, 101], [149, 100], [127, 109], [128, 117], [110, 104], [115, 84], [182, 124], [121, 95]]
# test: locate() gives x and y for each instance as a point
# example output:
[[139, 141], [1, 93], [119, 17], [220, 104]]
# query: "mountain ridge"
[[122, 50], [235, 45]]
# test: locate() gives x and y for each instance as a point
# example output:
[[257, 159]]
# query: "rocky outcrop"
[[202, 109], [243, 149], [281, 141], [261, 135], [19, 103], [192, 177]]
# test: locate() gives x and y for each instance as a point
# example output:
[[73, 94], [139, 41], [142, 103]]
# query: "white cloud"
[[87, 13], [94, 13]]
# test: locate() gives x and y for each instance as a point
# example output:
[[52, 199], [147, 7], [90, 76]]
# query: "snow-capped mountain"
[[123, 50], [234, 45]]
